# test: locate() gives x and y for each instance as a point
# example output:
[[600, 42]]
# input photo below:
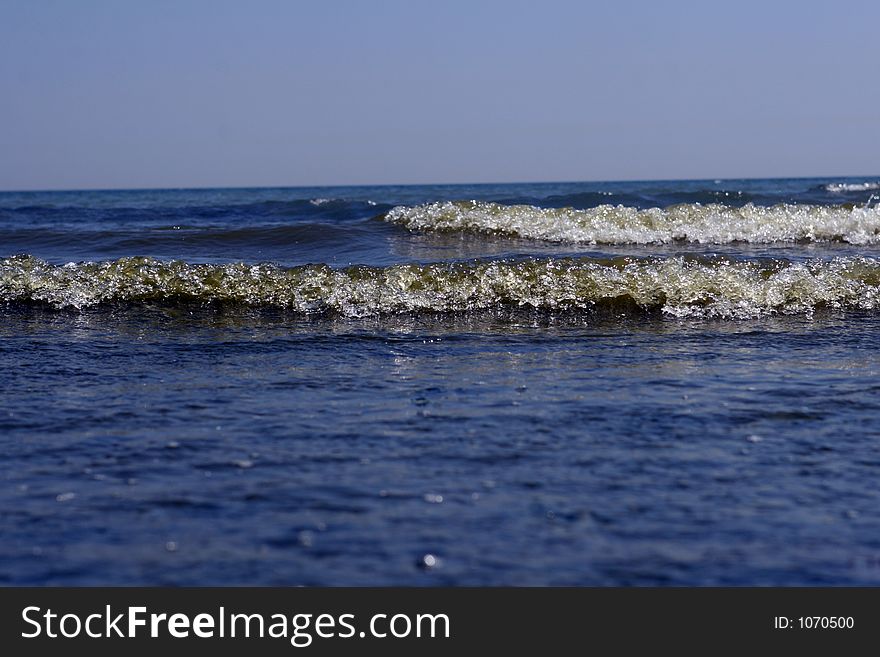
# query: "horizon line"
[[442, 184]]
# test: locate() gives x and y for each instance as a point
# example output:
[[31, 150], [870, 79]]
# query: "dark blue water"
[[289, 386]]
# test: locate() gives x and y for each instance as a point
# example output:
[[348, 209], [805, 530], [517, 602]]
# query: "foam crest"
[[618, 224], [839, 188], [677, 286]]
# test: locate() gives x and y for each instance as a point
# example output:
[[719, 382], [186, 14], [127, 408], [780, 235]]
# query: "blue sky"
[[104, 94]]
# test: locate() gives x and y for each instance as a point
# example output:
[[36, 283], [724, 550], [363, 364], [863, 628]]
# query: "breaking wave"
[[618, 224], [678, 286], [838, 188]]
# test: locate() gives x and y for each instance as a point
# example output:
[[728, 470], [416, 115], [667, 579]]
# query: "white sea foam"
[[676, 286], [618, 224], [852, 187]]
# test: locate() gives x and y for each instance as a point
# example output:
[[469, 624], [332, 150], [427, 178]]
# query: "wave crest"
[[618, 224], [678, 286], [840, 188]]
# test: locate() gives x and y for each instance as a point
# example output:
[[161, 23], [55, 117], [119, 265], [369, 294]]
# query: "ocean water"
[[631, 383]]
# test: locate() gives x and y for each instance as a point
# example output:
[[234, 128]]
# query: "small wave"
[[618, 224], [679, 286], [644, 199], [840, 188], [323, 207]]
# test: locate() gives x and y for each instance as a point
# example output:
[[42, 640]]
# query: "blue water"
[[176, 419]]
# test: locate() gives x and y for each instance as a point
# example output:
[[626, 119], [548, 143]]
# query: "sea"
[[662, 383]]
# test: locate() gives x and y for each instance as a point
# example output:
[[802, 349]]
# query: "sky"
[[199, 93]]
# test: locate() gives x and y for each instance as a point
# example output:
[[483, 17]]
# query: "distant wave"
[[618, 224], [681, 287], [643, 199], [316, 207], [838, 188], [207, 237]]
